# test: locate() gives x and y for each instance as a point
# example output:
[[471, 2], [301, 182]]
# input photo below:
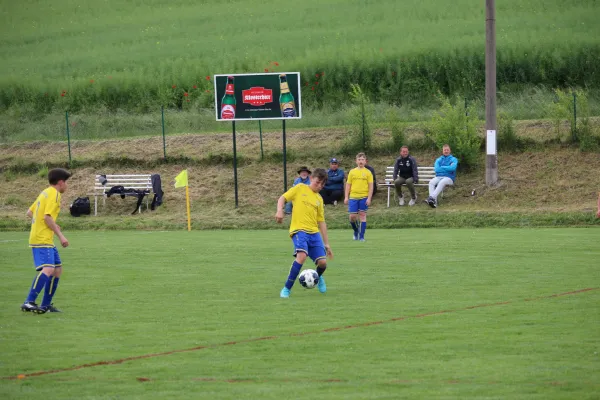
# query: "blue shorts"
[[309, 243], [356, 205], [45, 257]]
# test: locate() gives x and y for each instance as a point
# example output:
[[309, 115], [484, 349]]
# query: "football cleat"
[[285, 293], [29, 306], [321, 285], [45, 309]]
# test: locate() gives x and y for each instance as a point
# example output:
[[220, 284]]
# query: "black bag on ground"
[[80, 206]]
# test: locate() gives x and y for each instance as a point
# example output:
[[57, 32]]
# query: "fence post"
[[362, 107], [262, 155], [162, 113], [574, 127], [68, 135]]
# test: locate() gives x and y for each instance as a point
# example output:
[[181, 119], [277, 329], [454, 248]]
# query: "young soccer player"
[[43, 214], [359, 191], [308, 229]]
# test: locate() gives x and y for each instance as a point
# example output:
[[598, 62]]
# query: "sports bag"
[[80, 206]]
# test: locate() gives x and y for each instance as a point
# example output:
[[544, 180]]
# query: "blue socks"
[[354, 227], [36, 286], [363, 228], [294, 271], [50, 290]]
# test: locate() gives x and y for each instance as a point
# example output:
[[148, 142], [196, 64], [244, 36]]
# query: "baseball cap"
[[333, 161], [304, 169]]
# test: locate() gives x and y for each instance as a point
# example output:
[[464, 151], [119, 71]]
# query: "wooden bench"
[[138, 182], [425, 175]]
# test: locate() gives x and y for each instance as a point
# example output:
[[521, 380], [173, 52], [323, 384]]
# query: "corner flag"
[[181, 180]]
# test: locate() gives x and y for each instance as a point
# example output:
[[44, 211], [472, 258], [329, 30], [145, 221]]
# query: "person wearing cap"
[[334, 188], [303, 177]]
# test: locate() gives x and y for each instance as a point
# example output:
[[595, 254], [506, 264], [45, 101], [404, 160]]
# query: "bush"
[[589, 137], [361, 113], [457, 125], [568, 105], [507, 136]]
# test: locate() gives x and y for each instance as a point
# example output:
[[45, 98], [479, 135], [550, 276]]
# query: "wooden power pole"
[[491, 161]]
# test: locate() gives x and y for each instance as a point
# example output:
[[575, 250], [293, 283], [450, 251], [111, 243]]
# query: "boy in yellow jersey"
[[43, 214], [308, 229], [359, 191]]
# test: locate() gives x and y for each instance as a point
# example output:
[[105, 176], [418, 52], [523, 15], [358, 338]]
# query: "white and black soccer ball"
[[309, 278]]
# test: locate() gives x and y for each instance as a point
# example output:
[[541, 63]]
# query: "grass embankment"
[[138, 57], [550, 185]]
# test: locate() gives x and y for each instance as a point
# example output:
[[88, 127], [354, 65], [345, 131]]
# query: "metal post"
[[162, 113], [362, 107], [262, 155], [284, 159], [574, 128], [466, 116], [491, 165], [68, 136], [235, 179]]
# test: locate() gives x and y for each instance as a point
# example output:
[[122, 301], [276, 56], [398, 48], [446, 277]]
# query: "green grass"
[[399, 51], [377, 333]]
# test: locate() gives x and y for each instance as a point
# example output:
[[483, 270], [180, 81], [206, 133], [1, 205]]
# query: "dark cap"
[[304, 169], [333, 161]]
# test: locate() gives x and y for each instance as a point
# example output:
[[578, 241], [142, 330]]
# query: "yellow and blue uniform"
[[41, 237], [359, 179], [308, 211]]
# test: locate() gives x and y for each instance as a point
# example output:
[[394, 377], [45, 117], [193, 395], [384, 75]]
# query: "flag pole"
[[187, 202]]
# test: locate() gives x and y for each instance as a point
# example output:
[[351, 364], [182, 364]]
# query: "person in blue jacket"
[[303, 177], [334, 188], [445, 174]]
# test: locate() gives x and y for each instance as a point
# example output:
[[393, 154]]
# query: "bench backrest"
[[425, 175], [134, 181]]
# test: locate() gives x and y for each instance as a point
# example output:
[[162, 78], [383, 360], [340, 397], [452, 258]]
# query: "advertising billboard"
[[240, 97]]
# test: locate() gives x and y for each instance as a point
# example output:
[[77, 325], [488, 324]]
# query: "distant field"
[[436, 313], [399, 51]]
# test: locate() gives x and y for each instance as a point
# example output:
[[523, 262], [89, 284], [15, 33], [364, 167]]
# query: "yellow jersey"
[[359, 178], [308, 209], [47, 203]]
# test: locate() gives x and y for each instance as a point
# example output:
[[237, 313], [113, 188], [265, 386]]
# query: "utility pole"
[[491, 160]]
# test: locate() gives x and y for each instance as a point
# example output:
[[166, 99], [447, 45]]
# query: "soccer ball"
[[309, 278]]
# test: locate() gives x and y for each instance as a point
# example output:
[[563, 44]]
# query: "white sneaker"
[[412, 201], [335, 203], [401, 201]]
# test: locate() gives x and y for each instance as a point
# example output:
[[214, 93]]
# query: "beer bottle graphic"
[[228, 101], [286, 100]]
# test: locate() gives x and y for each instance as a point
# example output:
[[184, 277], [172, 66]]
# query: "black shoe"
[[51, 308], [29, 306], [45, 309], [430, 201]]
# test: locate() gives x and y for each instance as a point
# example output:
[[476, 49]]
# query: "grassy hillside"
[[132, 54], [548, 185]]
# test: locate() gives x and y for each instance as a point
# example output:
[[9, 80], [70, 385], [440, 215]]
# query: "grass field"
[[488, 313], [141, 54]]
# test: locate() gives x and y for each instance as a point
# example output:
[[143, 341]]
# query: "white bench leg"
[[389, 192]]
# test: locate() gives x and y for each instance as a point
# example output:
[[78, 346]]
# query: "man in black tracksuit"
[[405, 172]]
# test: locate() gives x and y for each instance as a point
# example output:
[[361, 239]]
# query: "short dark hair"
[[320, 174], [57, 174]]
